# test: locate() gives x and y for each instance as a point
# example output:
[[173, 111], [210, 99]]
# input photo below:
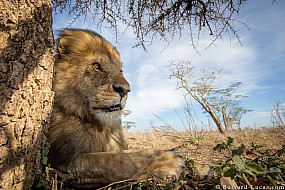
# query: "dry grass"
[[202, 153]]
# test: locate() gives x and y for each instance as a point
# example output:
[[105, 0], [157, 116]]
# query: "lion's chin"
[[109, 118]]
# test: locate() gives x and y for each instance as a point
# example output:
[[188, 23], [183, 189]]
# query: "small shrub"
[[46, 179], [249, 167]]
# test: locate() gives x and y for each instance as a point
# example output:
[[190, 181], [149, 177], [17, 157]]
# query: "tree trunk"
[[217, 122], [212, 113], [26, 65], [229, 123]]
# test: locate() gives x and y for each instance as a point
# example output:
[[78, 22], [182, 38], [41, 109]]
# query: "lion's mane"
[[90, 92]]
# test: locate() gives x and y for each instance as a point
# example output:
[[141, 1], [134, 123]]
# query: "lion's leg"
[[107, 167]]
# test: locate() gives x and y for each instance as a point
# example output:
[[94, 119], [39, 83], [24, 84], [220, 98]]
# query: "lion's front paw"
[[167, 164]]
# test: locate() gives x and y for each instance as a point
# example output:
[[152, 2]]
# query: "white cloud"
[[261, 114], [155, 94], [154, 99], [152, 93], [251, 64]]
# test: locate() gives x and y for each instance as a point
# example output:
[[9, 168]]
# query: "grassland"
[[201, 152], [208, 168]]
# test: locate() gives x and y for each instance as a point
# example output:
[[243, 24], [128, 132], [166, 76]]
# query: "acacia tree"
[[26, 61], [222, 105], [160, 18], [127, 124], [227, 104]]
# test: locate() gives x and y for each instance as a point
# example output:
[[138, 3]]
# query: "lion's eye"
[[96, 66]]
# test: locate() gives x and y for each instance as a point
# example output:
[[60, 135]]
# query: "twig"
[[114, 183]]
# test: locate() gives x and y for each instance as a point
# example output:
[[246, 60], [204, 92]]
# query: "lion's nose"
[[121, 89]]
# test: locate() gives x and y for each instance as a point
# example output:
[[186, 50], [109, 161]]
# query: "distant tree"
[[159, 18], [278, 115], [221, 104], [227, 105], [128, 124]]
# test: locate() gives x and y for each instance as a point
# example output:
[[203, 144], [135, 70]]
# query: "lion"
[[87, 145]]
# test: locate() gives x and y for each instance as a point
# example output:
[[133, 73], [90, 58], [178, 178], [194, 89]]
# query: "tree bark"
[[217, 122], [26, 65], [214, 116]]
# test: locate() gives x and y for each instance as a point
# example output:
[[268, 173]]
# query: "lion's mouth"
[[112, 108]]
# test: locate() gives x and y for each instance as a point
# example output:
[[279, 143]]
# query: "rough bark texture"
[[26, 64]]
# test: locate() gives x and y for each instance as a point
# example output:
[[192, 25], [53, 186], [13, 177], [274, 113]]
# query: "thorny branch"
[[160, 18]]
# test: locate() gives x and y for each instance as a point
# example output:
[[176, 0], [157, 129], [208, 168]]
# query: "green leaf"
[[238, 162], [44, 155], [255, 168], [275, 170], [282, 166], [230, 141], [230, 173], [44, 160], [250, 173], [225, 169], [215, 183], [220, 146], [191, 162], [239, 151], [45, 151], [195, 170]]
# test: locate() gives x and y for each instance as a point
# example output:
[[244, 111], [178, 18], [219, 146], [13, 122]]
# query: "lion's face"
[[99, 90]]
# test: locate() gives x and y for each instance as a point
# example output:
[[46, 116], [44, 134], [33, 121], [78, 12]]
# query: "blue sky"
[[259, 63]]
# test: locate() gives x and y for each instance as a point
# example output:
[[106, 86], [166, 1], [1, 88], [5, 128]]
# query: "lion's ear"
[[65, 42], [72, 42]]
